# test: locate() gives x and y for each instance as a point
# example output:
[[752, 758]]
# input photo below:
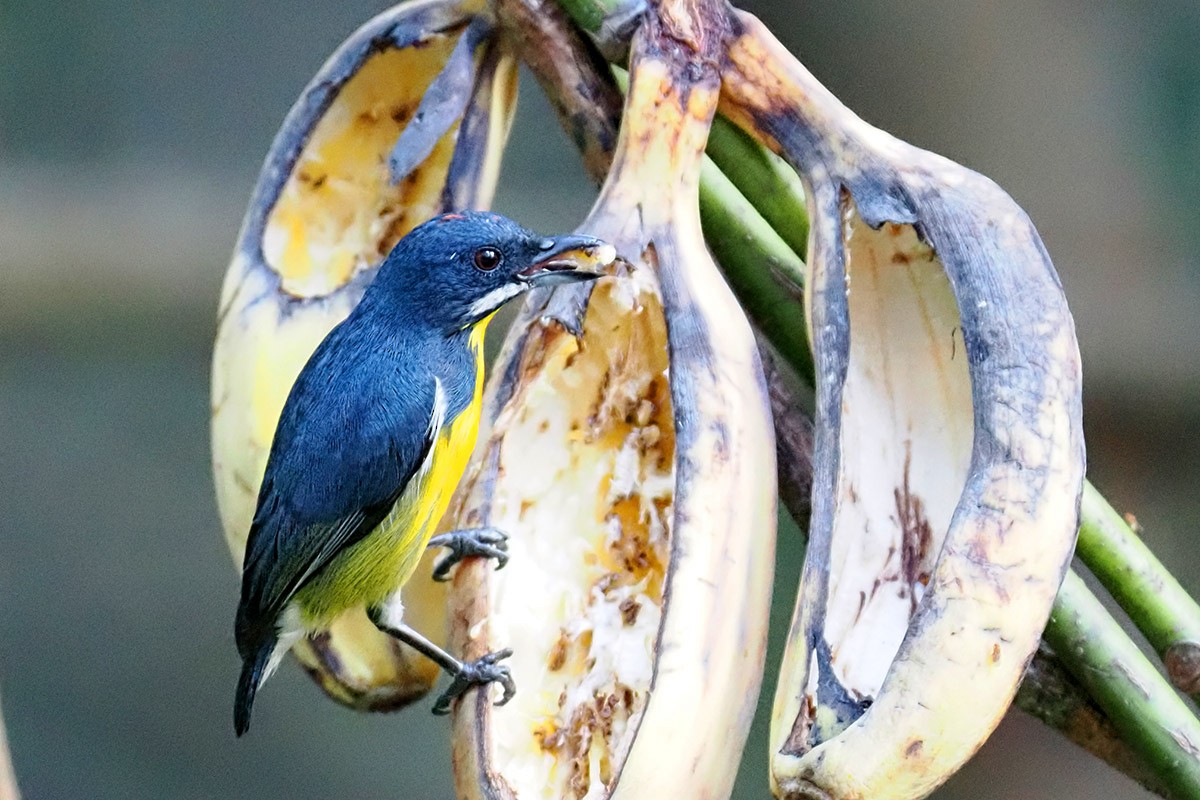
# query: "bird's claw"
[[480, 672], [472, 542]]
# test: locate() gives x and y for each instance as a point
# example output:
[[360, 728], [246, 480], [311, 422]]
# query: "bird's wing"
[[291, 552], [331, 479]]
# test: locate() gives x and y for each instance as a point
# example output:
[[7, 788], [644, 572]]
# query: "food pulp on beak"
[[571, 258]]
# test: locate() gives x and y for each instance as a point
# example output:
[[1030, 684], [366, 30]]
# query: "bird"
[[374, 437]]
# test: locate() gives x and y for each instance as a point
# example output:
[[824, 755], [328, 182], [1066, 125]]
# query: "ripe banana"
[[633, 466], [949, 449], [324, 213]]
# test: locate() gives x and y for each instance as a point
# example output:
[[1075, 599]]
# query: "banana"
[[325, 211], [949, 452], [632, 462]]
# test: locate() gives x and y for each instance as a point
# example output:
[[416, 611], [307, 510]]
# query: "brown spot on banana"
[[643, 454], [948, 446], [323, 214]]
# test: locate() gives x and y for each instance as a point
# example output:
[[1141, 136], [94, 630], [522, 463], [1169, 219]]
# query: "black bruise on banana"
[[793, 442], [687, 339], [443, 103], [469, 161], [567, 305], [689, 345]]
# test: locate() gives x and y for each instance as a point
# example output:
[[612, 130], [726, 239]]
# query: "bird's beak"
[[567, 259]]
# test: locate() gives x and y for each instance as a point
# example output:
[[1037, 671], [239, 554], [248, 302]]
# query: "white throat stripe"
[[495, 298]]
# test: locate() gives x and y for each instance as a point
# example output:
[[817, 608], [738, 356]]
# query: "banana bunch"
[[627, 448], [406, 120], [949, 453], [629, 454]]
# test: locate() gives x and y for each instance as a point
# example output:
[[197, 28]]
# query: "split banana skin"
[[627, 446]]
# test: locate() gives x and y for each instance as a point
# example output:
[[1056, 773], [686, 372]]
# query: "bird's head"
[[457, 269]]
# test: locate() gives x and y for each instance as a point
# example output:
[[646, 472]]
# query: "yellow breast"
[[366, 573]]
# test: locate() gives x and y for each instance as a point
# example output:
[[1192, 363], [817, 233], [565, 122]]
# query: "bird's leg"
[[481, 542], [463, 674]]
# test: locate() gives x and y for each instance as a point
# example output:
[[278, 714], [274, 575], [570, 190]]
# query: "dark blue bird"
[[374, 438]]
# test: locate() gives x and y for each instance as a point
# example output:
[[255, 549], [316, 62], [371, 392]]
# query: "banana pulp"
[[906, 372], [323, 215], [632, 467], [590, 467]]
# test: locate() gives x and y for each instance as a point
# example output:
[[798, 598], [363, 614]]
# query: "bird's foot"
[[481, 672], [467, 543]]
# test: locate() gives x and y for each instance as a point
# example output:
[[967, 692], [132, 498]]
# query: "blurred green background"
[[130, 137]]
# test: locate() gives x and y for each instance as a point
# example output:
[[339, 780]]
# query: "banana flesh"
[[323, 215], [632, 467], [949, 452]]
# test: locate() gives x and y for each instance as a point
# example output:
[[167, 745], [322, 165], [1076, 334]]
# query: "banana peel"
[[629, 455], [949, 453], [324, 213]]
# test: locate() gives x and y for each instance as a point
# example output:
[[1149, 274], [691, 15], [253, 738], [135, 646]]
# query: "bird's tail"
[[253, 673]]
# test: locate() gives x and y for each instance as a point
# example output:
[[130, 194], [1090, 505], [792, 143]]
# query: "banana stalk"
[[326, 210], [574, 76], [631, 464], [771, 186], [1153, 598], [949, 449], [1143, 707]]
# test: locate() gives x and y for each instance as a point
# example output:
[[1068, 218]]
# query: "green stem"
[[1153, 598], [1051, 694], [1148, 713], [591, 14], [772, 187], [758, 264]]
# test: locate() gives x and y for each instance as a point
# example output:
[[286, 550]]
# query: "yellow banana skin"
[[633, 467], [949, 451], [322, 216]]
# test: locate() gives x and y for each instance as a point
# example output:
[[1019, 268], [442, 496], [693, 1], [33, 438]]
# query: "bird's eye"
[[487, 258]]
